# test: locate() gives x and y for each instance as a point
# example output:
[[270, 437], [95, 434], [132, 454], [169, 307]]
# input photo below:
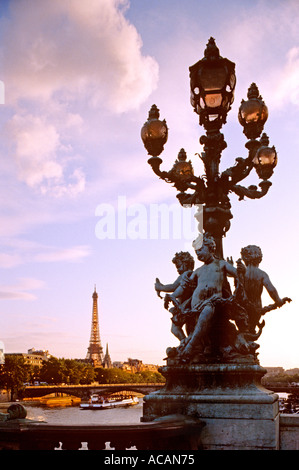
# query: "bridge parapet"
[[84, 391], [174, 433]]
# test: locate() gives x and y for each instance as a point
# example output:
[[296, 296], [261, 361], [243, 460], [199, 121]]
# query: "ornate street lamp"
[[214, 370], [212, 82], [212, 85]]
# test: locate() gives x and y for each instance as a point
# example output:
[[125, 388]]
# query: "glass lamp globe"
[[154, 132], [265, 159]]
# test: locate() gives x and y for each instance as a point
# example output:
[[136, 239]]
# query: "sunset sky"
[[80, 78]]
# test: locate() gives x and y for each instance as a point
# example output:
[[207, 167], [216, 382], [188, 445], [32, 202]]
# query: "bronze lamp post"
[[212, 84], [214, 373]]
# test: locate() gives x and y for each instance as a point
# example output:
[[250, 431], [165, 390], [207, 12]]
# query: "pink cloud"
[[61, 60], [76, 48], [21, 290]]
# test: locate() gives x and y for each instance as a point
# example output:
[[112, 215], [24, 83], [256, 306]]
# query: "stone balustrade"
[[289, 432], [169, 433]]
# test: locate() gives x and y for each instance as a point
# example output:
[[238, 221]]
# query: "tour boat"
[[60, 401], [97, 402]]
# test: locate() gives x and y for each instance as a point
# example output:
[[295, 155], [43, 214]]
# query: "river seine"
[[75, 415]]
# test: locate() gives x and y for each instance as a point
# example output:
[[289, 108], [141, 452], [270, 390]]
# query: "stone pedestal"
[[239, 414]]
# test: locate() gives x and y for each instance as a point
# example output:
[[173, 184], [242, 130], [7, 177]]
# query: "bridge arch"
[[84, 391]]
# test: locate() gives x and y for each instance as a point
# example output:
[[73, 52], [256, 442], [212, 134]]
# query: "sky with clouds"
[[80, 78]]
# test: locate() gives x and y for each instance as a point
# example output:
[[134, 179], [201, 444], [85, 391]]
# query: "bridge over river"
[[84, 391]]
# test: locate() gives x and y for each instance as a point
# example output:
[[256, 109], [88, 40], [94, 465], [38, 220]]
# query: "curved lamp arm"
[[155, 163], [252, 192], [238, 172], [180, 181]]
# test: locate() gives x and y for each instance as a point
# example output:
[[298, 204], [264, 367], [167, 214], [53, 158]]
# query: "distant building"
[[107, 363], [95, 350], [271, 371], [33, 357], [294, 371], [117, 364], [135, 365], [151, 367], [39, 352]]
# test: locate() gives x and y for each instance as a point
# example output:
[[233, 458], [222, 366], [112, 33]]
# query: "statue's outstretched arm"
[[272, 291], [170, 287], [159, 287], [230, 269]]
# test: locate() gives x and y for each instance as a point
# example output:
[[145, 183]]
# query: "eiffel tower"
[[95, 350]]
